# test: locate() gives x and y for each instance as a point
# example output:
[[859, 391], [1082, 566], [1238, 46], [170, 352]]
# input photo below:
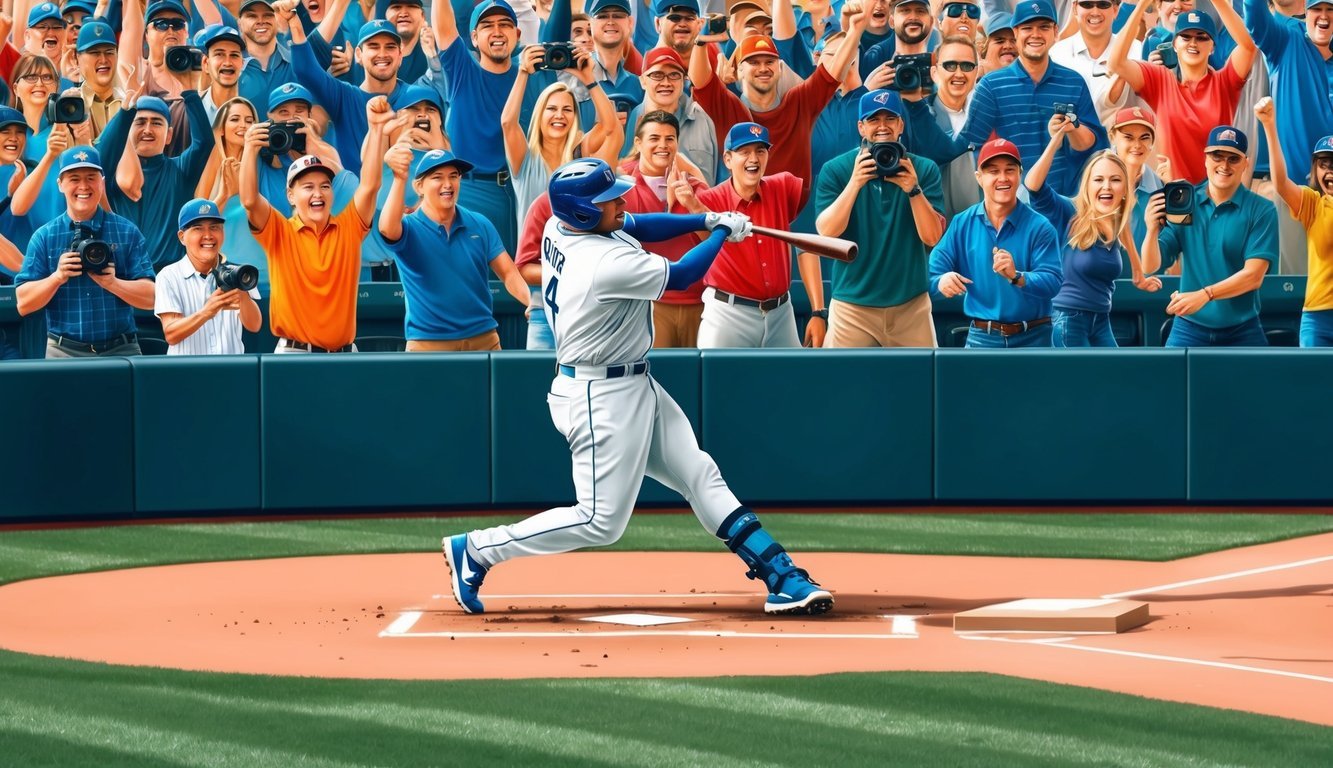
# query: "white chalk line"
[[655, 633], [1220, 577], [617, 596], [402, 624]]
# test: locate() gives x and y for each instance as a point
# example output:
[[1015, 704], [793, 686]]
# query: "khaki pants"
[[676, 325], [907, 325], [482, 342]]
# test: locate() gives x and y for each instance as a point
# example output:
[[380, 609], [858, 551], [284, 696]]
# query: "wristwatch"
[[914, 191], [1014, 280], [822, 314]]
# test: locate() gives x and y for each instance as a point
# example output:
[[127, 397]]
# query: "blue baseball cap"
[[163, 6], [1028, 10], [82, 156], [377, 27], [1227, 138], [217, 33], [10, 116], [413, 95], [79, 5], [1322, 147], [154, 104], [663, 7], [597, 6], [998, 21], [882, 100], [198, 209], [1196, 20], [289, 92], [1312, 3], [94, 34], [490, 8], [624, 102], [45, 12], [437, 158], [742, 134]]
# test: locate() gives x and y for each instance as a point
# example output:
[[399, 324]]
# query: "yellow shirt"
[[313, 277], [1316, 215]]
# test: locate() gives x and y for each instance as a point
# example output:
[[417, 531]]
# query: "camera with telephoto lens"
[[888, 157], [235, 277], [1179, 202], [558, 56], [184, 58], [94, 254], [1167, 51], [911, 72], [283, 138], [66, 109], [715, 24]]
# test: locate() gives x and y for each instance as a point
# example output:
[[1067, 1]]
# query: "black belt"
[[97, 347], [609, 372], [304, 347], [1009, 329], [501, 178], [764, 305]]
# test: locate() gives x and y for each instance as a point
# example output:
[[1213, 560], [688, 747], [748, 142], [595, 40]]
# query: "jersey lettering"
[[549, 296], [552, 255]]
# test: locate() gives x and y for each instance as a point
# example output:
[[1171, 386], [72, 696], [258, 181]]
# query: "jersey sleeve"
[[627, 272]]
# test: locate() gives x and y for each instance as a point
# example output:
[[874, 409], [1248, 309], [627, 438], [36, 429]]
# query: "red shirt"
[[642, 199], [1186, 113], [757, 267], [789, 124], [530, 239]]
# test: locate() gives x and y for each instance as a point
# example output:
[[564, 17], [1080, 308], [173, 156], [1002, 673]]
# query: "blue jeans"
[[1080, 328], [1034, 337], [1187, 333], [1317, 328], [540, 335]]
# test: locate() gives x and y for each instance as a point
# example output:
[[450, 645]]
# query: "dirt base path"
[[1248, 629]]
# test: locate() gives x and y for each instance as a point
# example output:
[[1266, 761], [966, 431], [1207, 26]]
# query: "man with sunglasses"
[[1225, 250], [956, 72], [165, 24], [959, 19], [1086, 54], [677, 25]]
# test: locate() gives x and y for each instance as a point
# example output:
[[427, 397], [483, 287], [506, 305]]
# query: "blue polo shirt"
[[81, 309], [476, 99], [256, 83], [345, 103], [1216, 245], [968, 249], [446, 275], [1008, 103], [1301, 80], [1089, 273]]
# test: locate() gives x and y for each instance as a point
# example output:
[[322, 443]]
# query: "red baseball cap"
[[663, 55], [998, 148], [1135, 116], [756, 45]]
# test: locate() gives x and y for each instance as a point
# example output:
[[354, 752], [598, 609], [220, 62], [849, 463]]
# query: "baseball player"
[[599, 285]]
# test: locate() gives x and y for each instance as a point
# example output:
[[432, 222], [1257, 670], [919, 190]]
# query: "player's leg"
[[676, 460]]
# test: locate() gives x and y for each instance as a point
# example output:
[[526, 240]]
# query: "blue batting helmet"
[[578, 186]]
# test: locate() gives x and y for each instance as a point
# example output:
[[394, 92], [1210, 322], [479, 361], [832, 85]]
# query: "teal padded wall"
[[1260, 425], [376, 431], [196, 433], [827, 425], [69, 438], [1054, 425]]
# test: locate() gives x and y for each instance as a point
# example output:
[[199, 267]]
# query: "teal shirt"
[[1216, 245], [891, 266]]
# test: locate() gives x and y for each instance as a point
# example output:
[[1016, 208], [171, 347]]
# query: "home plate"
[[637, 619], [1054, 615]]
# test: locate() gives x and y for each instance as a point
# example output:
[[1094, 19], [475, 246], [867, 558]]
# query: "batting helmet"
[[578, 186]]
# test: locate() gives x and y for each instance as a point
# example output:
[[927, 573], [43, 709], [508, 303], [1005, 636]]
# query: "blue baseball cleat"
[[465, 574], [798, 595]]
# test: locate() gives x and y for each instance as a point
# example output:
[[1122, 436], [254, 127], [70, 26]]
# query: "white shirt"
[[1072, 52], [181, 290]]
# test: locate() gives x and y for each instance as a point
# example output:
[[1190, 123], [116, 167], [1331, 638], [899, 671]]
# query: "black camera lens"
[[95, 255], [888, 157], [907, 79], [230, 277]]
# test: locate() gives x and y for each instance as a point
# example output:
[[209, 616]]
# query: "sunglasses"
[[954, 10], [162, 25], [954, 66], [1101, 5], [1226, 158], [680, 18]]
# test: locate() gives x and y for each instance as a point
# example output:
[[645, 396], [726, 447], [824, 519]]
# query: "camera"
[[911, 72], [184, 58], [233, 277], [888, 157], [1168, 52], [283, 138], [1179, 201], [1067, 110], [558, 56], [94, 254], [66, 109], [715, 24]]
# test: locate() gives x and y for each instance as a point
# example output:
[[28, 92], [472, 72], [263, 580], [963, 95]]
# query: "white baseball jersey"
[[598, 291]]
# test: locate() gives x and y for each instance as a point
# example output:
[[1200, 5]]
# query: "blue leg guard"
[[791, 590]]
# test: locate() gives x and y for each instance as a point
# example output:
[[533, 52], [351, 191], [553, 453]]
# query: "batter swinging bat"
[[832, 247]]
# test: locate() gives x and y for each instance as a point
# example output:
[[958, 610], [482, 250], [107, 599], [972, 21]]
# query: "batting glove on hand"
[[737, 224]]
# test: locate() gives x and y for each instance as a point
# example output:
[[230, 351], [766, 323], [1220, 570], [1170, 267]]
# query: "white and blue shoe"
[[465, 574], [798, 595]]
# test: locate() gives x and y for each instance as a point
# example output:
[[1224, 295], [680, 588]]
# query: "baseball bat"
[[832, 247]]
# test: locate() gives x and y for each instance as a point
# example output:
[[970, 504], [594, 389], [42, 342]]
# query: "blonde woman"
[[220, 182], [1094, 226]]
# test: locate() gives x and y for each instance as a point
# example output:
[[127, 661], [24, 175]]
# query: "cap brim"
[[871, 114], [272, 105], [461, 165], [320, 168], [623, 184], [1143, 123], [7, 123], [198, 219], [77, 166], [748, 142], [1216, 148], [999, 155]]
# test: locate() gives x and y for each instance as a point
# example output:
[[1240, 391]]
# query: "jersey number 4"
[[549, 296]]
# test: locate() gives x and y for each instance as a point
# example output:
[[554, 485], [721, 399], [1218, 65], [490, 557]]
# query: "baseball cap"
[[754, 16], [1028, 10], [624, 102], [437, 158], [305, 164], [377, 27], [882, 100], [79, 5], [413, 95], [93, 34], [740, 6], [910, 2], [1322, 147], [1227, 138], [247, 3], [1196, 20], [662, 55], [1135, 116], [217, 33], [288, 92], [998, 22], [998, 148], [198, 209], [1312, 3], [10, 116], [742, 134], [82, 156], [383, 5], [490, 8], [164, 6], [45, 12], [756, 45], [597, 6], [663, 7], [154, 104]]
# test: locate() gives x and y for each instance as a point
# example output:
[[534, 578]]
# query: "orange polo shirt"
[[313, 277]]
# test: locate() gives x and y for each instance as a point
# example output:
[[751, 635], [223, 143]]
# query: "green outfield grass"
[[65, 713]]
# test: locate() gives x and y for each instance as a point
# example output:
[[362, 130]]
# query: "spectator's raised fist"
[[286, 9], [1266, 110], [399, 159], [378, 112]]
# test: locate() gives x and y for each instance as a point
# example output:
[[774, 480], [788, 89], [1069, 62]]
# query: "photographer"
[[1086, 54], [1225, 249], [165, 25], [96, 55], [198, 316], [909, 36], [89, 312], [881, 300], [291, 108]]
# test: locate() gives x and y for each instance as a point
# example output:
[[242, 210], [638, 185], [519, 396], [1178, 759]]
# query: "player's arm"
[[656, 227], [691, 268]]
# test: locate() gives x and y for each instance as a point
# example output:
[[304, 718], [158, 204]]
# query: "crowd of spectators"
[[1024, 155]]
